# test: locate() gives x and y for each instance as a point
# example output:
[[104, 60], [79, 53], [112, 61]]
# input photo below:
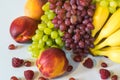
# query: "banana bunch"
[[107, 33]]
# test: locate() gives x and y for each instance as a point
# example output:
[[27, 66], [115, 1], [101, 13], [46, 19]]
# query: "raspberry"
[[71, 78], [27, 63], [104, 73], [42, 78], [103, 64], [17, 62], [13, 78], [88, 63], [11, 47], [114, 77], [70, 67], [28, 74]]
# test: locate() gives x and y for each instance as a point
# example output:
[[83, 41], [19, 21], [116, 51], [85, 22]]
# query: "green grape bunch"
[[46, 35]]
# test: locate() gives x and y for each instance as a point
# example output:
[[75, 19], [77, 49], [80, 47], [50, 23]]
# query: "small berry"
[[103, 64], [114, 77], [42, 78], [13, 78], [104, 73], [11, 47], [88, 63], [28, 74], [17, 62], [27, 63], [77, 58], [70, 67], [71, 78]]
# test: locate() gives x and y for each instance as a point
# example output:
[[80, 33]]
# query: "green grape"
[[49, 42], [55, 46], [60, 33], [47, 31], [41, 50], [45, 38], [41, 43], [112, 9], [54, 34], [46, 7], [58, 40], [35, 53], [42, 26], [46, 12], [50, 24], [113, 4], [51, 15], [44, 18], [30, 48], [104, 3]]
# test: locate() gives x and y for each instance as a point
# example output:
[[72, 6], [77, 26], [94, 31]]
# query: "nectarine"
[[52, 62], [33, 8], [23, 28]]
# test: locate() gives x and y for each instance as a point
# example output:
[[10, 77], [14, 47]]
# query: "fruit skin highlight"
[[33, 8], [23, 28], [52, 62]]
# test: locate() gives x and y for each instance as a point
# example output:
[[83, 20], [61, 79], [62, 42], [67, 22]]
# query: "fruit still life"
[[83, 27]]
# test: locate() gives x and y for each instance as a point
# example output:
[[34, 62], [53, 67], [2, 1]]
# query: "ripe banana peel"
[[110, 27], [112, 40], [113, 55], [99, 18]]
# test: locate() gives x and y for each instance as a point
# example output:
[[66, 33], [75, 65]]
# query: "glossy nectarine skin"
[[52, 62], [33, 8], [23, 28]]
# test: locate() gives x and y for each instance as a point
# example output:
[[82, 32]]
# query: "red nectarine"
[[52, 62], [23, 28]]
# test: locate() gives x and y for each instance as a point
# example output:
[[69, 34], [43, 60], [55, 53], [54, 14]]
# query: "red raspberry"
[[70, 67], [11, 47], [104, 73], [17, 62], [27, 63], [114, 77], [42, 78], [13, 78], [103, 64], [71, 78], [88, 63], [28, 74]]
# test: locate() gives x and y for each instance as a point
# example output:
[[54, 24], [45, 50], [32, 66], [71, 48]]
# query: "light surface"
[[11, 9]]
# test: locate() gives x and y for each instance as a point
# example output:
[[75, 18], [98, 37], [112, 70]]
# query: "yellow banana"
[[99, 18], [110, 27], [112, 40], [113, 55]]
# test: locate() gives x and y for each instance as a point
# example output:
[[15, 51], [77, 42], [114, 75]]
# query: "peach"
[[23, 28], [33, 8], [52, 62]]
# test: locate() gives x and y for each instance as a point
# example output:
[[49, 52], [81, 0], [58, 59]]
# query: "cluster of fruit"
[[73, 22]]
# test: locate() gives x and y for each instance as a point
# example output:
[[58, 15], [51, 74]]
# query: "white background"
[[11, 9]]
